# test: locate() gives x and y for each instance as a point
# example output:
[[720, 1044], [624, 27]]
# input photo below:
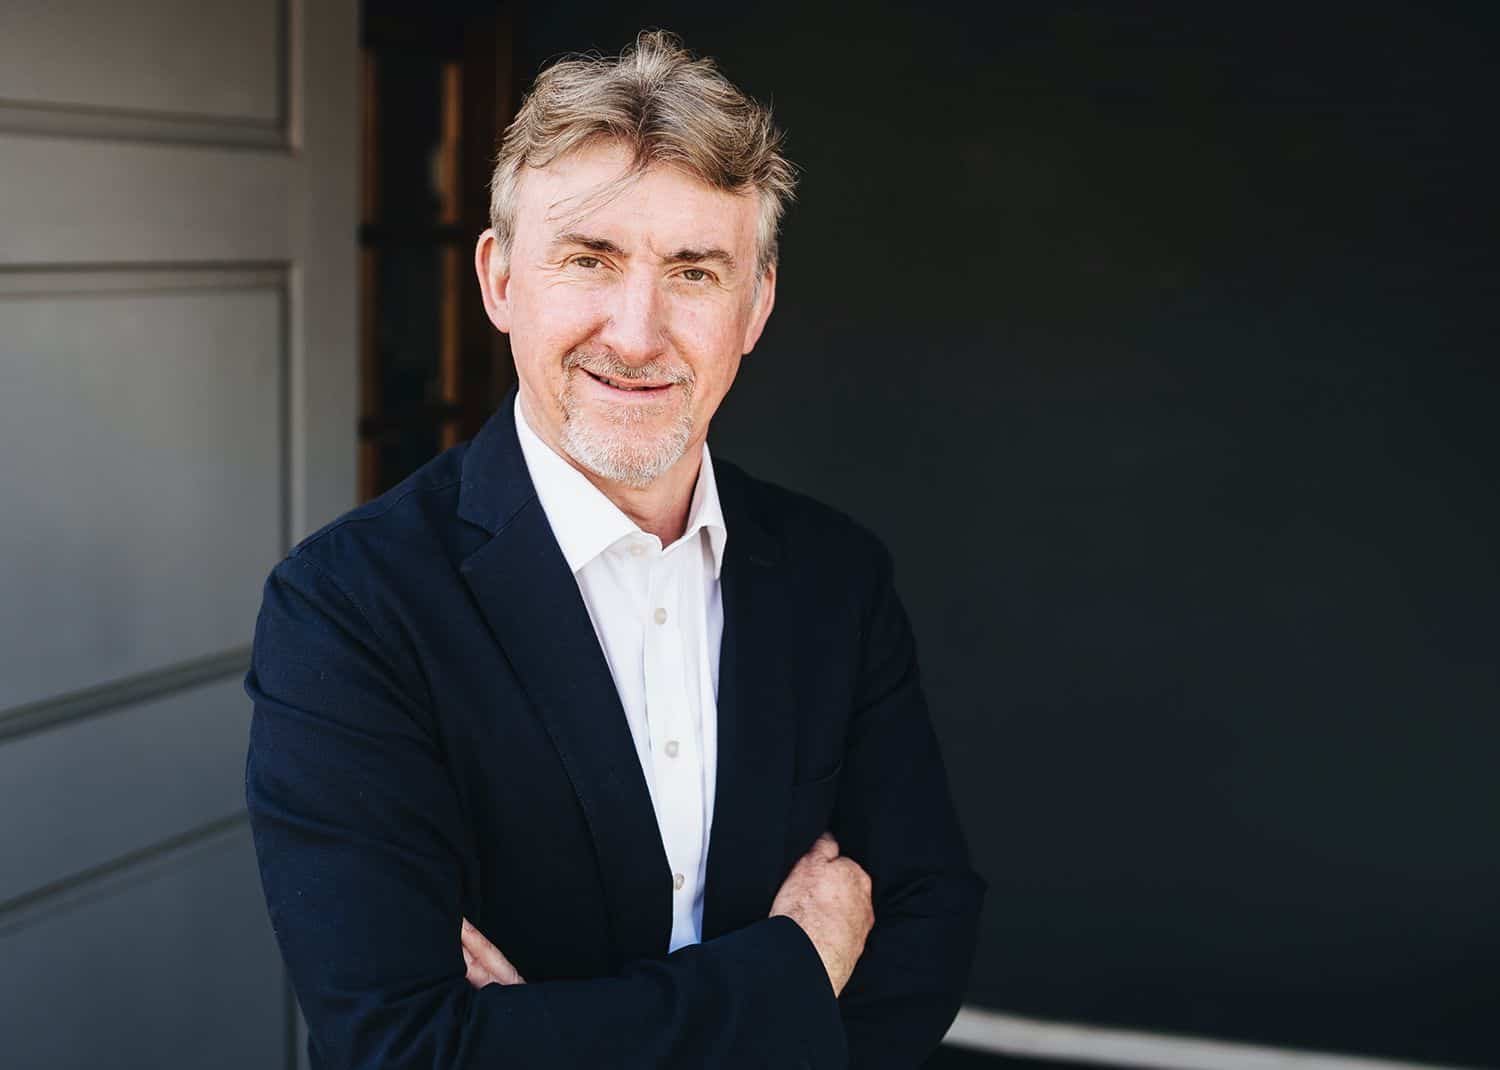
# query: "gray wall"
[[176, 407]]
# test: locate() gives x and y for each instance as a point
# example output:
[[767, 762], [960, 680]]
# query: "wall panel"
[[152, 415], [156, 68]]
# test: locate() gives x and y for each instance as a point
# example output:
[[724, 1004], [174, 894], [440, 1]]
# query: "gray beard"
[[607, 446]]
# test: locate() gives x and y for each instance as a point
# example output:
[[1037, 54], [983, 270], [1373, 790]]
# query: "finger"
[[477, 976], [472, 939], [475, 945], [490, 958], [478, 970], [473, 972], [825, 847], [500, 969]]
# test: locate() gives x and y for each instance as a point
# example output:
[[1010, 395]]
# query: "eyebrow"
[[698, 256], [597, 245], [681, 256]]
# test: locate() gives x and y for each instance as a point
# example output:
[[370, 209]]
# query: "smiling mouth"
[[626, 386]]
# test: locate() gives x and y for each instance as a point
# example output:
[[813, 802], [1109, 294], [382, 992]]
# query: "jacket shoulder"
[[414, 522], [366, 571]]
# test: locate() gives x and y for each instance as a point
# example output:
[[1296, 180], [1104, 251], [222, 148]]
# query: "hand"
[[829, 896], [487, 966]]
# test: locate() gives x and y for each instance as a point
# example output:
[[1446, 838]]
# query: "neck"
[[660, 508]]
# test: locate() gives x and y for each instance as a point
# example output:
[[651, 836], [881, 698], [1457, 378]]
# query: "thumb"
[[825, 847]]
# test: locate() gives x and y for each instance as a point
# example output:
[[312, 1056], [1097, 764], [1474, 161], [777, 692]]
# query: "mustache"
[[610, 365]]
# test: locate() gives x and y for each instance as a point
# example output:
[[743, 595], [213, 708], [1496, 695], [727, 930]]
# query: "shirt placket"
[[676, 764]]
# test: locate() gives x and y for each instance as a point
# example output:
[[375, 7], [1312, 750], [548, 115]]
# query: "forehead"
[[664, 207]]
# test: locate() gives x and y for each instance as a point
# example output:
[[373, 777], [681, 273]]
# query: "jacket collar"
[[530, 599]]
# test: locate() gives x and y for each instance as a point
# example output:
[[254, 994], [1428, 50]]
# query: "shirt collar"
[[586, 523]]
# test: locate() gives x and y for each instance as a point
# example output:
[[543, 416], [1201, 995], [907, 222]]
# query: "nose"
[[635, 328]]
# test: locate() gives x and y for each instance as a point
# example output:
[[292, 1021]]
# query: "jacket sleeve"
[[361, 839], [894, 815]]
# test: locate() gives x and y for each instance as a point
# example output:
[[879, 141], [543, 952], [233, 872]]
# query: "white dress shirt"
[[659, 616]]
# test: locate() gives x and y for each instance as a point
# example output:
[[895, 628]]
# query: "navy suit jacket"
[[436, 733]]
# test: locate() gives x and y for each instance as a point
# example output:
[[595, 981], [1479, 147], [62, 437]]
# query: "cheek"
[[549, 324], [710, 340], [725, 379], [715, 375]]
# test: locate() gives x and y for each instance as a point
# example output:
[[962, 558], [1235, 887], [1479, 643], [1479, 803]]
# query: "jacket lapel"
[[757, 726], [532, 604]]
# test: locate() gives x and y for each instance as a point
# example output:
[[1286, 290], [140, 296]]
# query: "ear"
[[762, 311], [494, 280]]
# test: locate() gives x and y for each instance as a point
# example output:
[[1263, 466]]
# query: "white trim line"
[[1009, 1034]]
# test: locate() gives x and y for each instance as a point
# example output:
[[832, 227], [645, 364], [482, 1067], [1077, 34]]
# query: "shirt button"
[[661, 616], [671, 748], [678, 880]]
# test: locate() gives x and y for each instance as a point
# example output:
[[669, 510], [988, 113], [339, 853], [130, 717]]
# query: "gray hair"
[[665, 105]]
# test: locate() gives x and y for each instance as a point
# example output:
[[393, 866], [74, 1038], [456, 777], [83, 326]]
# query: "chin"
[[635, 456]]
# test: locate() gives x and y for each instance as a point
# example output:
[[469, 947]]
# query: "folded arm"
[[360, 838]]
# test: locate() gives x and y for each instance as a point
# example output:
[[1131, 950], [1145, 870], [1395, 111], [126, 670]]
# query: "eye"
[[586, 262], [695, 275]]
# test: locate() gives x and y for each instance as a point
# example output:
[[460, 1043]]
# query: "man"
[[581, 747]]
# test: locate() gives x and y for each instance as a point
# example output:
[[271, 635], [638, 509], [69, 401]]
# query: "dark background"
[[1159, 346]]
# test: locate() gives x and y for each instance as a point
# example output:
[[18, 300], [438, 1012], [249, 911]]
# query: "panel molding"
[[61, 120], [90, 280], [114, 695], [108, 877], [136, 124]]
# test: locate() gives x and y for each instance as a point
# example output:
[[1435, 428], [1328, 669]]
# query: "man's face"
[[627, 315]]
